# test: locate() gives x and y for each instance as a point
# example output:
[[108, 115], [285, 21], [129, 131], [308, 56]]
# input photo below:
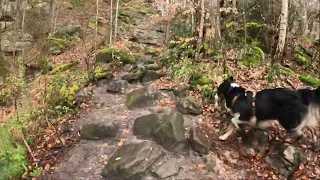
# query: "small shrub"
[[13, 157]]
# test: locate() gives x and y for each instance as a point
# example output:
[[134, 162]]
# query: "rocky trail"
[[141, 126]]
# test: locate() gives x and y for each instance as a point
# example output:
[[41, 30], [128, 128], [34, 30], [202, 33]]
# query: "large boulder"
[[166, 168], [255, 142], [165, 128], [286, 158], [117, 86], [94, 131], [64, 39], [149, 36], [132, 161], [199, 140], [142, 97], [151, 75], [15, 41], [189, 105]]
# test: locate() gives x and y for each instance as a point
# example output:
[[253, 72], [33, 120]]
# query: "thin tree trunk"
[[111, 23], [283, 29], [52, 14], [216, 20], [303, 21], [199, 41]]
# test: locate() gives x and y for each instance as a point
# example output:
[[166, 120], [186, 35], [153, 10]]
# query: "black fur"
[[287, 106]]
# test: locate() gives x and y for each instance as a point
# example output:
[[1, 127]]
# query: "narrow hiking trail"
[[144, 126]]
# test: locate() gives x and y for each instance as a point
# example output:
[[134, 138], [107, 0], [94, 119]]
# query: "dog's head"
[[224, 88]]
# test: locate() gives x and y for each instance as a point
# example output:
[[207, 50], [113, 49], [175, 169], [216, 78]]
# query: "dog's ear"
[[231, 78]]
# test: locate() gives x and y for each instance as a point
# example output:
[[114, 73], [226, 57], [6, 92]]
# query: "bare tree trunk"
[[168, 22], [303, 21], [200, 38], [215, 21], [52, 14], [111, 23], [283, 29]]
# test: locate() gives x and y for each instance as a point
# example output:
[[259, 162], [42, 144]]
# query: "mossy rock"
[[153, 52], [105, 55], [62, 68], [251, 56], [287, 71], [301, 58], [69, 93], [95, 131], [102, 71], [5, 98], [64, 39], [44, 65], [313, 81], [92, 23]]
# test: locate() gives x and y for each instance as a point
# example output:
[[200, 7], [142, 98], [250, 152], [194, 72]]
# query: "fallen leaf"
[[201, 165], [47, 167], [301, 166], [120, 143]]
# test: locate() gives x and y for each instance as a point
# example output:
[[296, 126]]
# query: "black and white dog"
[[293, 109]]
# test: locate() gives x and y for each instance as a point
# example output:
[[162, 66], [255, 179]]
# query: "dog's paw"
[[223, 137]]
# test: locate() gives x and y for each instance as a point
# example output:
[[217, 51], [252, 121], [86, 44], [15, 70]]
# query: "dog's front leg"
[[234, 125], [230, 130], [235, 120]]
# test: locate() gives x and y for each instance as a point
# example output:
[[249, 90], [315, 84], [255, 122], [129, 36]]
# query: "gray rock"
[[133, 77], [94, 131], [255, 142], [154, 66], [15, 41], [116, 86], [180, 91], [166, 169], [142, 97], [129, 67], [69, 32], [189, 105], [286, 159], [150, 37], [132, 161], [151, 75], [165, 128], [64, 39], [199, 140]]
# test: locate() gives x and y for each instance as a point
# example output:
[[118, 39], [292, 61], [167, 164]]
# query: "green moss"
[[287, 71], [253, 25], [251, 56], [62, 68], [92, 24], [313, 81], [13, 157], [44, 65], [153, 52], [5, 97], [200, 80], [125, 17], [300, 57], [105, 55], [103, 75], [231, 24]]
